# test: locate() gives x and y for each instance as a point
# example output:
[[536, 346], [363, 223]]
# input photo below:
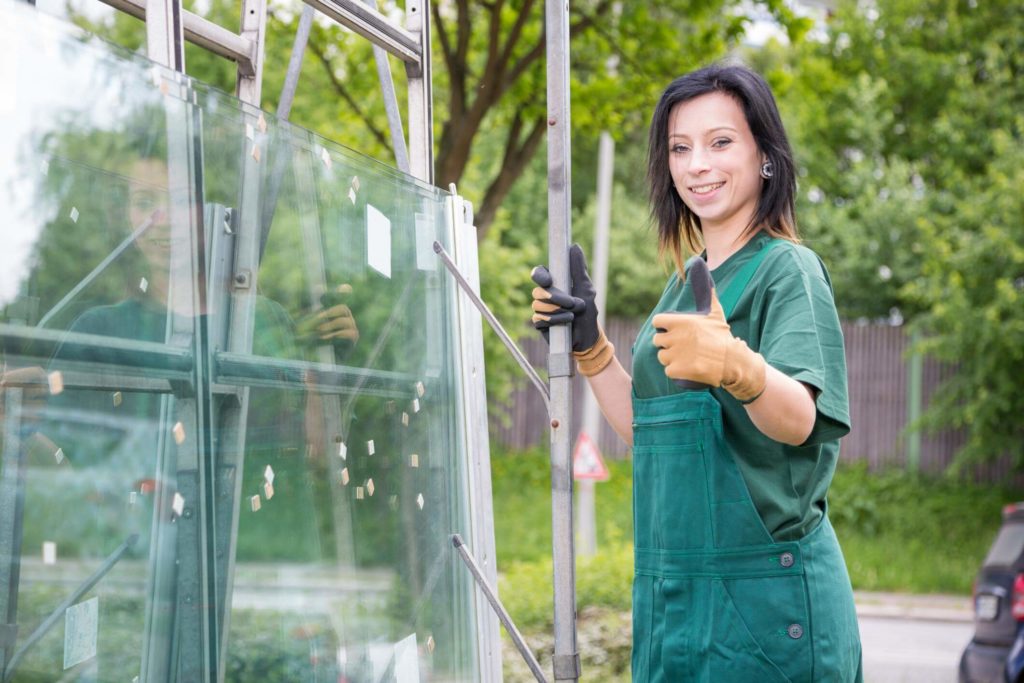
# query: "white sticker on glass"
[[378, 241], [407, 665], [55, 380], [370, 450], [74, 214], [49, 552], [81, 626]]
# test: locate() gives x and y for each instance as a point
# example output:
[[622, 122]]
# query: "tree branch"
[[464, 30], [456, 69], [515, 32], [537, 50], [339, 87], [518, 155]]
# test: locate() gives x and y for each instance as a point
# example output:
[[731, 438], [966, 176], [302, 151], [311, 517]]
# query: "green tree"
[[906, 124]]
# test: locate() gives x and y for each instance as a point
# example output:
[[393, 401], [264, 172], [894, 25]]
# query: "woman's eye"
[[721, 142], [678, 149]]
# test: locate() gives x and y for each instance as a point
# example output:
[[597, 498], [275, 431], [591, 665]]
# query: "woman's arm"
[[613, 388], [785, 410]]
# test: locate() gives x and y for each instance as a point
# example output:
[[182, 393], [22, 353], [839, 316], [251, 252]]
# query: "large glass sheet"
[[230, 439]]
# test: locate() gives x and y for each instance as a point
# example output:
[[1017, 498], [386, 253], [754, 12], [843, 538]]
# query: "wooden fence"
[[879, 384]]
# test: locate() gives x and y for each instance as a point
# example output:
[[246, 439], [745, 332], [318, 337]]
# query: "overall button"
[[795, 631], [786, 559]]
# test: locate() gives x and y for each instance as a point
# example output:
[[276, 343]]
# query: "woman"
[[739, 576]]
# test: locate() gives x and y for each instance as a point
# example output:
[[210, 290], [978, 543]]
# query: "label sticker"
[[407, 665], [378, 241], [81, 625]]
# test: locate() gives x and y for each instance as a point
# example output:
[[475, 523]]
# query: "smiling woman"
[[735, 407]]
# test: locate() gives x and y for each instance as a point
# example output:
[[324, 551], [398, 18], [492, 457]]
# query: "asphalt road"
[[900, 650]]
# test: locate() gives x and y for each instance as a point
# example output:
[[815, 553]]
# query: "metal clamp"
[[560, 365], [567, 667]]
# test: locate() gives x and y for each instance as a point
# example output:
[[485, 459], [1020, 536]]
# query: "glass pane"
[[1008, 546], [231, 446]]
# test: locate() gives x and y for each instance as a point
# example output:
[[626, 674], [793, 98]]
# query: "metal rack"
[[168, 26]]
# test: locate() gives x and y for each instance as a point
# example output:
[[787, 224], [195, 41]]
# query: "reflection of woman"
[[739, 576]]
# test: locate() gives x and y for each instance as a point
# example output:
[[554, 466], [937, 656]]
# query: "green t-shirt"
[[786, 313]]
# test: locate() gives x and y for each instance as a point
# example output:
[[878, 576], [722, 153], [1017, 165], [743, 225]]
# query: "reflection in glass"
[[200, 308]]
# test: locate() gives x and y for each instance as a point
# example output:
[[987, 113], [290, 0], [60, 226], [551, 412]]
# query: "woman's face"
[[148, 203], [714, 161]]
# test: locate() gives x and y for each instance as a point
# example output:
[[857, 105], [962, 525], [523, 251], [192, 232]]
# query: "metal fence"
[[881, 381]]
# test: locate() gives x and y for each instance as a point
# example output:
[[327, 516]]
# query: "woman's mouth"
[[703, 190]]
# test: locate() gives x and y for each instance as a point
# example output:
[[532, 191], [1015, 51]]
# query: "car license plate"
[[986, 607]]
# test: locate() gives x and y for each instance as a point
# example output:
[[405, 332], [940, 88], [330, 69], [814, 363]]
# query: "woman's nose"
[[699, 161]]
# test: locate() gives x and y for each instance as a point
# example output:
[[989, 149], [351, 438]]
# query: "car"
[[996, 651]]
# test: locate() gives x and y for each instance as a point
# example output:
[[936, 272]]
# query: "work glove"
[[701, 348], [334, 324], [552, 306]]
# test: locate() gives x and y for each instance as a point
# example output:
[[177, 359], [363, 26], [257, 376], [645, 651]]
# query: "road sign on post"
[[587, 462]]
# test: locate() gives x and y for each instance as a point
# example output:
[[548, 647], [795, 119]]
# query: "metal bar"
[[373, 26], [255, 371], [421, 102], [165, 37], [248, 83], [492, 598], [202, 32], [495, 325], [95, 348], [915, 373], [291, 78], [387, 90], [59, 611], [566, 658]]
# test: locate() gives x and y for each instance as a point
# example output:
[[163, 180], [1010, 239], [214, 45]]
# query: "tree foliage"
[[906, 122]]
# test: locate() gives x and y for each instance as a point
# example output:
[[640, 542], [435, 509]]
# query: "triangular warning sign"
[[587, 462]]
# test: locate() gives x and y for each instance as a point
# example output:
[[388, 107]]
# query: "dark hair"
[[775, 208]]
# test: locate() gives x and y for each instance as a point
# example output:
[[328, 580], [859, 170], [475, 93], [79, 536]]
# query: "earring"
[[767, 170]]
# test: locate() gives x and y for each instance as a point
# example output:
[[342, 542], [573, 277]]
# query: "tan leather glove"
[[701, 348]]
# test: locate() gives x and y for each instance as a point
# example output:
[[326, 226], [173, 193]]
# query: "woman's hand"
[[334, 324], [552, 306], [702, 348]]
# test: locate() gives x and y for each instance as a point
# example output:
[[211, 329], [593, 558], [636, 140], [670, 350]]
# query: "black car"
[[996, 652]]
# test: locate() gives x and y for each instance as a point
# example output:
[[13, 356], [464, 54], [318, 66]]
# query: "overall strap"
[[731, 294]]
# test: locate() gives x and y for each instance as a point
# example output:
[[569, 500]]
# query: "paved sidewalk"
[[931, 607]]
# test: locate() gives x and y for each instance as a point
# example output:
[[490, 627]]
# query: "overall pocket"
[[670, 497], [761, 628]]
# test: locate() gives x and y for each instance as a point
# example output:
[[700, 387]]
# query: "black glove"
[[552, 306]]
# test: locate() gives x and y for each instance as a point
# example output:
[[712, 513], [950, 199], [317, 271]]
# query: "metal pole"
[[914, 377], [599, 274], [566, 658], [165, 33], [254, 29], [421, 103]]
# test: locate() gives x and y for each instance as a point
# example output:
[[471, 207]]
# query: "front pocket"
[[670, 497], [761, 627]]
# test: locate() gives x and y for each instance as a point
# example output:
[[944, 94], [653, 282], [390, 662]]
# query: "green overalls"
[[715, 599]]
